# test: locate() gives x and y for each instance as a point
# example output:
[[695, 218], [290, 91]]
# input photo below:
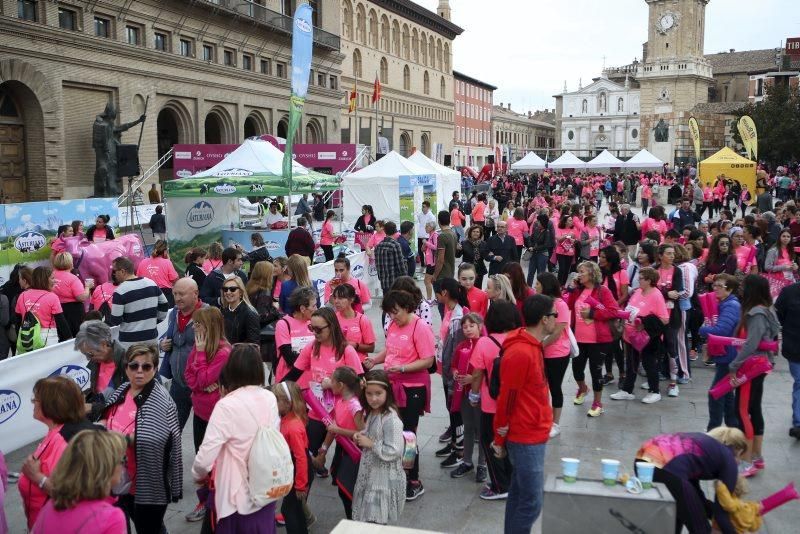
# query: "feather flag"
[[376, 90]]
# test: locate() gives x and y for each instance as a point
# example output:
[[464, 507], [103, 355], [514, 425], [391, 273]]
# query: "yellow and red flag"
[[376, 90], [353, 97]]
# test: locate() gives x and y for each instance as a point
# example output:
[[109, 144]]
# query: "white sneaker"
[[673, 390], [555, 430], [651, 398], [622, 395], [645, 385]]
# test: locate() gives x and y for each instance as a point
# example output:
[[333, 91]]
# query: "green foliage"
[[777, 119]]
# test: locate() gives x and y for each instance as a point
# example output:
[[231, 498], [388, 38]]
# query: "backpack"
[[29, 337], [494, 380], [270, 471]]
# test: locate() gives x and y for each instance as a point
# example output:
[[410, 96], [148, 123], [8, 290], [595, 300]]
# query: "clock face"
[[666, 21]]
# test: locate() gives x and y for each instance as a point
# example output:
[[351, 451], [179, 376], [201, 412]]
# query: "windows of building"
[[229, 57], [426, 83], [161, 41], [406, 78], [247, 62], [266, 67], [28, 10], [333, 82], [442, 88], [322, 79], [102, 26], [357, 66], [209, 53], [133, 35], [280, 70], [384, 72], [187, 47], [67, 19]]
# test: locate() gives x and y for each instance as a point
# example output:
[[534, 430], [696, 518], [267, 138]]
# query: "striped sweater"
[[137, 306]]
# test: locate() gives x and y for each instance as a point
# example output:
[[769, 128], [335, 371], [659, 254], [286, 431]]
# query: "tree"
[[777, 119]]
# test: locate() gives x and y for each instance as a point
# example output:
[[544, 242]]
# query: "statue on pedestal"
[[105, 139], [661, 132]]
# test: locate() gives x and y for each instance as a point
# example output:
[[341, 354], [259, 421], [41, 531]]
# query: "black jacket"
[[242, 325], [256, 255], [787, 307], [119, 377], [158, 224], [471, 253], [497, 247], [625, 229]]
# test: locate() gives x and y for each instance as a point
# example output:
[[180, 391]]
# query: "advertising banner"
[[413, 191], [747, 130], [196, 222], [302, 48], [694, 132]]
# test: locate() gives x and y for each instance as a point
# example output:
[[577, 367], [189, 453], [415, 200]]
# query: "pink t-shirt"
[[566, 248], [642, 305], [375, 238], [209, 265], [104, 374], [517, 229], [122, 418], [362, 290], [430, 247], [326, 235], [478, 301], [345, 411], [297, 334], [584, 328], [577, 224], [409, 343], [159, 270], [102, 294], [48, 452], [101, 515], [620, 278], [560, 347], [745, 257], [483, 355], [357, 329], [594, 240], [457, 218], [318, 369], [66, 286], [44, 304]]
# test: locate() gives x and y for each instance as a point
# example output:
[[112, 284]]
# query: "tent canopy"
[[568, 160], [531, 162], [447, 179], [604, 160], [644, 160], [253, 169], [732, 165]]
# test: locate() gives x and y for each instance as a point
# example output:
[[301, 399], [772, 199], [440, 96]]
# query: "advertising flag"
[[694, 131], [376, 90], [302, 45], [353, 97], [747, 130]]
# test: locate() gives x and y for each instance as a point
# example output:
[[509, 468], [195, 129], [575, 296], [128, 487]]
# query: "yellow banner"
[[694, 131], [747, 130]]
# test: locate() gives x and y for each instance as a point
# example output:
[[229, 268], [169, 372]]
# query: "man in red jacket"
[[524, 416]]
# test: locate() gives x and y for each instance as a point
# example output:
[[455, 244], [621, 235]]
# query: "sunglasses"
[[146, 367], [318, 329], [230, 289]]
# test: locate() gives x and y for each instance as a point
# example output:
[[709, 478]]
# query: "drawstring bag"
[[270, 471], [30, 332]]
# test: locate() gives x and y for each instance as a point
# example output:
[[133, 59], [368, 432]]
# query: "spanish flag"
[[353, 97], [376, 90]]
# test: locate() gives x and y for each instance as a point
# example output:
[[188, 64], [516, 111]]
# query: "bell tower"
[[674, 76], [444, 9]]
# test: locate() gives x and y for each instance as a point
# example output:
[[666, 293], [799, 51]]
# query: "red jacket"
[[294, 431], [524, 402], [601, 314]]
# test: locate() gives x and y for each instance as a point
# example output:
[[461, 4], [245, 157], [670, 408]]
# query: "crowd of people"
[[623, 294]]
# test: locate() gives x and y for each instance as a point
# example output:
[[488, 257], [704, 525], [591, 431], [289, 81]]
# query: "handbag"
[[617, 327], [639, 340]]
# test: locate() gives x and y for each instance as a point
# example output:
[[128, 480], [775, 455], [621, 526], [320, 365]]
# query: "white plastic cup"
[[569, 469], [610, 471], [89, 282], [644, 472]]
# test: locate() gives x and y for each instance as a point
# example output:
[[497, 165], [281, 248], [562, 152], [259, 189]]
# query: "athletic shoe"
[[645, 385], [758, 463], [746, 469], [13, 476], [459, 446], [673, 390], [280, 520], [709, 363], [197, 514], [693, 355], [555, 430], [481, 474], [446, 435], [683, 380], [451, 461], [488, 494], [580, 396], [461, 470], [414, 490], [607, 380], [794, 432], [595, 410], [651, 398], [445, 451], [622, 395], [321, 472]]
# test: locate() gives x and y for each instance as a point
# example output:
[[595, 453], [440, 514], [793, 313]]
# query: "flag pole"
[[355, 85]]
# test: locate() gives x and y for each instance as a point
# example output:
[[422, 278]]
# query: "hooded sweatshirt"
[[524, 401], [762, 325]]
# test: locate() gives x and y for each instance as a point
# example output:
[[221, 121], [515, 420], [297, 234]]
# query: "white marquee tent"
[[605, 160], [568, 160], [644, 160], [531, 162], [378, 185], [447, 179], [255, 156]]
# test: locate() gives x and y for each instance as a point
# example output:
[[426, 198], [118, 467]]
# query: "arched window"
[[406, 42], [395, 38], [585, 106], [415, 46], [384, 71], [432, 52], [439, 52], [356, 63], [442, 88], [347, 20], [423, 44], [385, 38], [447, 57], [373, 29], [406, 78], [361, 24], [426, 83], [621, 104]]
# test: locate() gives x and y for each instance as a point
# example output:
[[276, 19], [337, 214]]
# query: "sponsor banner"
[[694, 132], [793, 46], [189, 217], [749, 134], [274, 239]]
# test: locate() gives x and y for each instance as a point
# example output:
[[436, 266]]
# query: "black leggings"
[[753, 409], [328, 250], [499, 468], [693, 509], [147, 518], [615, 353], [198, 431], [564, 266], [649, 360], [595, 354], [416, 398], [554, 370]]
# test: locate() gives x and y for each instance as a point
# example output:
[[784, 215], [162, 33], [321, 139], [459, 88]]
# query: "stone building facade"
[[209, 71], [473, 121], [520, 133], [410, 50]]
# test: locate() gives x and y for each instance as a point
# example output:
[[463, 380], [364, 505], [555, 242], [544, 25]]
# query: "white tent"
[[447, 179], [531, 162], [568, 160], [253, 156], [379, 186], [644, 160], [605, 160]]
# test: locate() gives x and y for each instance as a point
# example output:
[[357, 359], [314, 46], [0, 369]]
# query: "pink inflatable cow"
[[93, 260]]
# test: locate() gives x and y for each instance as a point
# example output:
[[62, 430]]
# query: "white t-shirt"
[[422, 220]]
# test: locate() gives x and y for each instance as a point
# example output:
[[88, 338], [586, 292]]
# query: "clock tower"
[[674, 76]]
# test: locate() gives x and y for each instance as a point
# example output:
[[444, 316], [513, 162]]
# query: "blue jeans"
[[182, 397], [724, 407], [794, 368], [526, 493], [537, 264]]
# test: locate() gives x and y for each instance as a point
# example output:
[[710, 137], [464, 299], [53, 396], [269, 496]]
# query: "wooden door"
[[13, 176]]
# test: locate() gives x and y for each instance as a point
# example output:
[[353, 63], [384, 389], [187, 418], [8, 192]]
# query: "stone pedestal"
[[665, 151]]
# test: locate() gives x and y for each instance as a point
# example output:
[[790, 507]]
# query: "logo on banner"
[[326, 155], [183, 155], [272, 245], [29, 241], [77, 373], [183, 173], [225, 189], [9, 404], [303, 26], [200, 215], [234, 172], [358, 272]]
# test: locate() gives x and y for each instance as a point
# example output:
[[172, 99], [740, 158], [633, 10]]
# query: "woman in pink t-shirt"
[[648, 312], [745, 254], [70, 291], [158, 268], [327, 235], [343, 276], [590, 238], [430, 244], [557, 346], [356, 326], [214, 259], [292, 332], [566, 241], [518, 229], [44, 304], [409, 352]]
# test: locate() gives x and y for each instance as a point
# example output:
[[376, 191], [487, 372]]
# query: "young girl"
[[379, 494], [292, 409], [465, 400], [477, 299], [348, 419], [357, 327]]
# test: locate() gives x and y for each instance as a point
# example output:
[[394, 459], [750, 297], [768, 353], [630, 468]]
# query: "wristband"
[[42, 482], [322, 449]]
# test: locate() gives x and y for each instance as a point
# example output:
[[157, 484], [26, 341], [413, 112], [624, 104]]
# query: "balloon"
[[750, 369], [780, 497], [594, 303]]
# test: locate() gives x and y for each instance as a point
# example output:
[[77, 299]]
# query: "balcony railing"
[[272, 19]]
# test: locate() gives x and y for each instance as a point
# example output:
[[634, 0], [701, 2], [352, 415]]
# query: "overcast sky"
[[528, 48]]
